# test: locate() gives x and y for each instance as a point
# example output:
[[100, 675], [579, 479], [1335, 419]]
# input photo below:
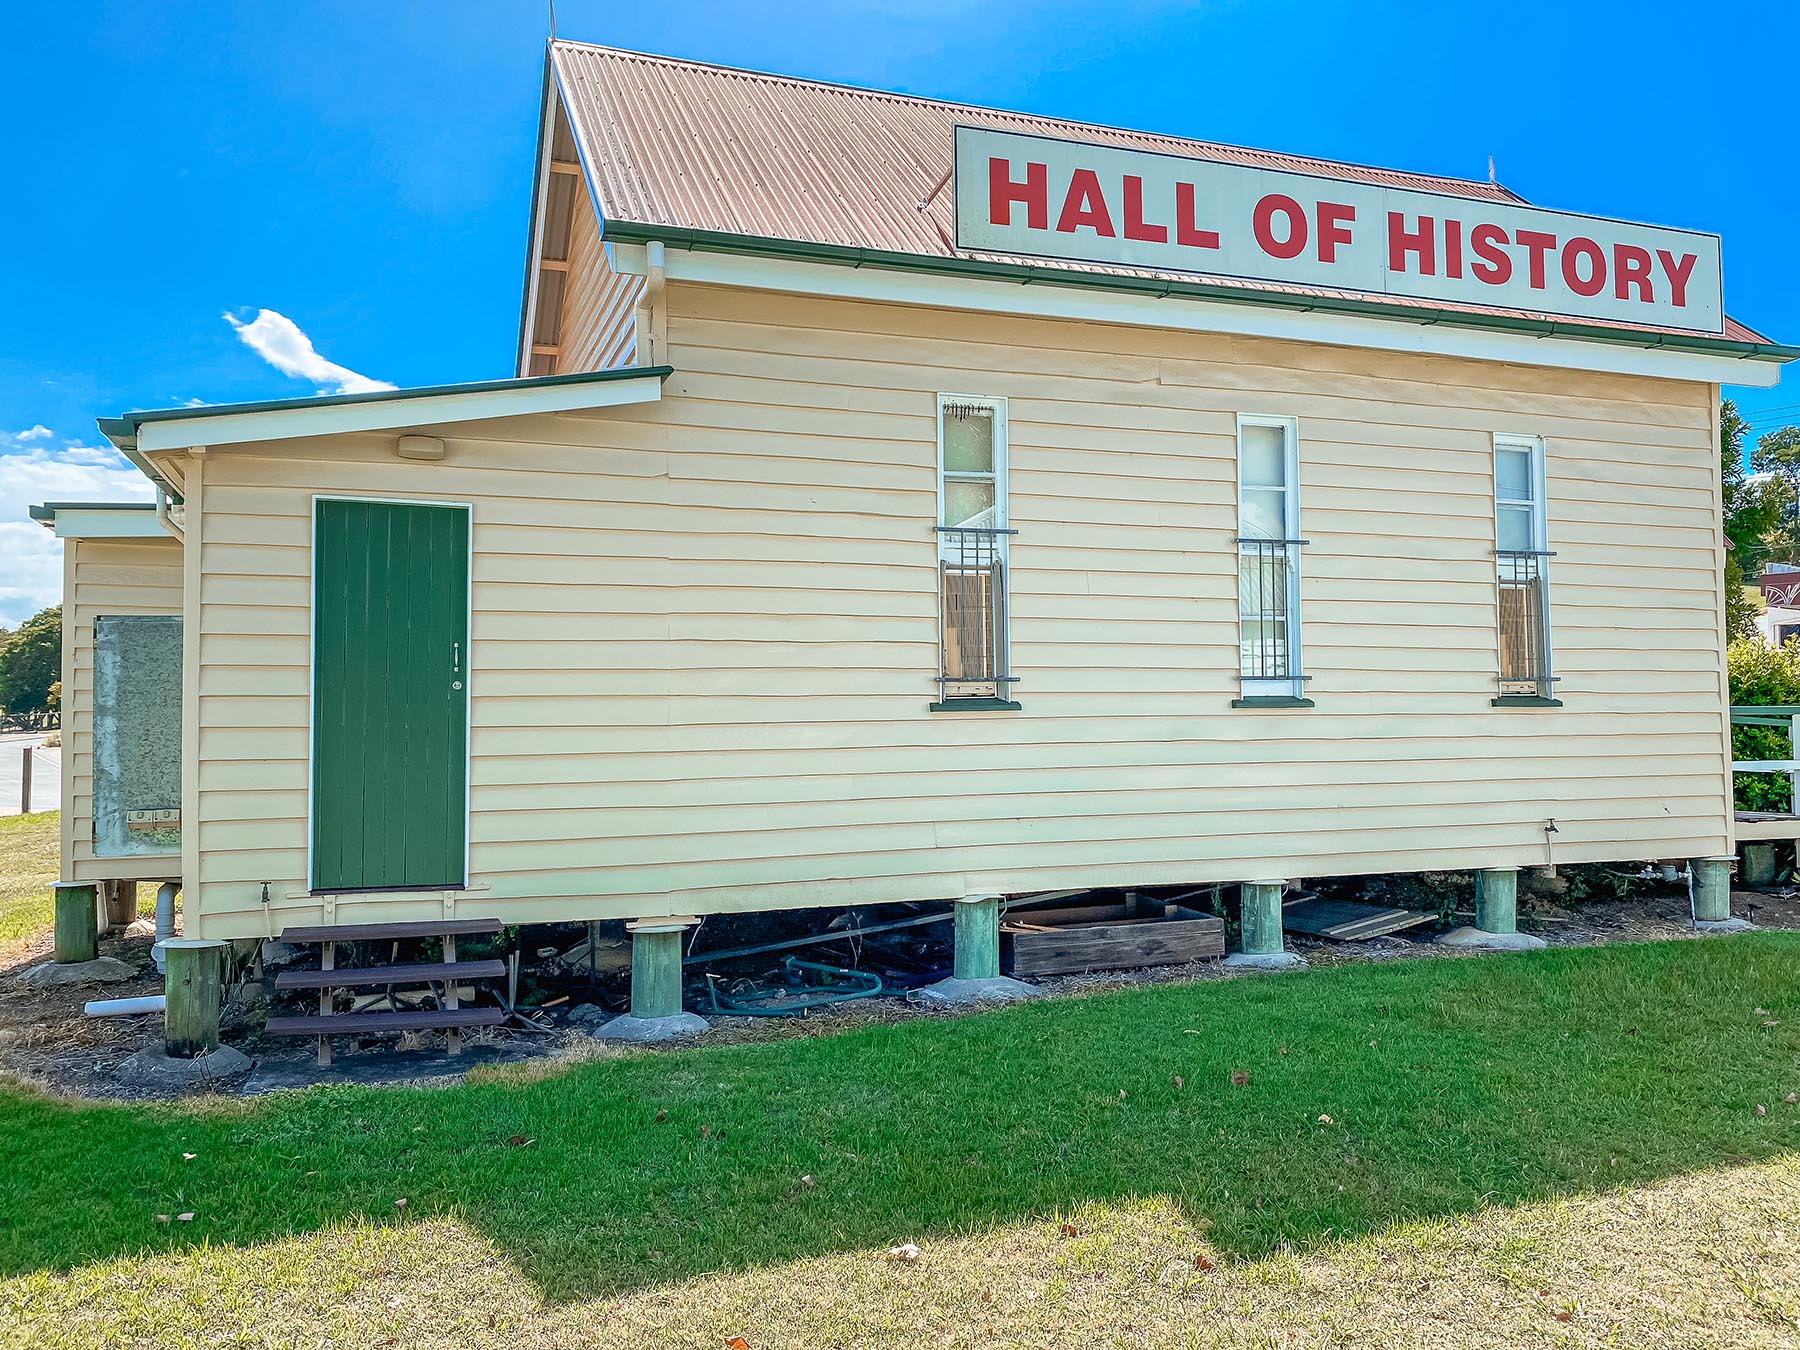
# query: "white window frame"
[[1540, 545], [1292, 685], [945, 550]]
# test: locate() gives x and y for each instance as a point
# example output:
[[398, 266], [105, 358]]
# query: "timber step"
[[365, 977], [394, 932], [424, 1019]]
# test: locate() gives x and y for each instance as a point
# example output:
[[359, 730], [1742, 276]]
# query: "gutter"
[[1026, 274]]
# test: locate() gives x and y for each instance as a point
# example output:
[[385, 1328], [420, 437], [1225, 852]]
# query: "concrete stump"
[[1261, 942], [194, 988], [656, 1013], [975, 965], [1712, 896], [77, 922], [1496, 916]]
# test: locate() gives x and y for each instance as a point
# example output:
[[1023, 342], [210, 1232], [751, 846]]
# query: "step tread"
[[359, 977], [427, 1019], [380, 932]]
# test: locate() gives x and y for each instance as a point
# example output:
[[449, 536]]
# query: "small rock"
[[101, 970], [586, 1012]]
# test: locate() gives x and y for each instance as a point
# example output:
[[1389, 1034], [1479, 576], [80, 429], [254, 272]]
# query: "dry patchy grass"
[[29, 849], [1710, 1259]]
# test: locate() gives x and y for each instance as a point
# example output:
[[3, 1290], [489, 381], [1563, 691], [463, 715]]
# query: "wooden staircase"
[[440, 978]]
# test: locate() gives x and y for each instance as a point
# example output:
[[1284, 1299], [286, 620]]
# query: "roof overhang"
[[138, 435], [100, 520], [1201, 306]]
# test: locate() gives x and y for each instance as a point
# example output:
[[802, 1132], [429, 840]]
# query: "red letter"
[[1452, 248], [1085, 205], [1422, 241], [1295, 244], [1186, 232], [1495, 267], [1596, 279], [1631, 267], [1135, 228], [1539, 244], [1678, 274], [1334, 221], [1003, 192]]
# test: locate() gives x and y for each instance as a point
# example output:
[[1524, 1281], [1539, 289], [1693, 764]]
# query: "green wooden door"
[[390, 695]]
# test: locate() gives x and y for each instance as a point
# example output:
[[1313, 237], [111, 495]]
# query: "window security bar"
[[1524, 627], [972, 590], [1267, 572]]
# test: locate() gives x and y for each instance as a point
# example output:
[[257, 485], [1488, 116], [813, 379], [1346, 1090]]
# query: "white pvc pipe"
[[127, 1007], [165, 920]]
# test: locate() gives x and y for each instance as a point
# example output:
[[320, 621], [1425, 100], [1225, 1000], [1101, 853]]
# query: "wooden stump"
[[77, 922], [655, 973], [121, 904], [1260, 931], [1497, 900], [194, 985], [977, 928]]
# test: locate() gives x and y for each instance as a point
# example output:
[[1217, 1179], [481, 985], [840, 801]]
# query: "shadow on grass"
[[1375, 1093]]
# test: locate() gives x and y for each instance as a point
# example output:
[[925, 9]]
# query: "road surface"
[[46, 773]]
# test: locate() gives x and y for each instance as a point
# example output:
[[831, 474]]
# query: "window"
[[1268, 542], [1520, 555], [972, 554]]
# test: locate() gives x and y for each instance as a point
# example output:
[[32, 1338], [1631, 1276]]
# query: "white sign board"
[[1037, 196]]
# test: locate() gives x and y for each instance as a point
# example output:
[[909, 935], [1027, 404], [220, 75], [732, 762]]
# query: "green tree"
[[1752, 511], [1778, 454], [30, 662], [1762, 676]]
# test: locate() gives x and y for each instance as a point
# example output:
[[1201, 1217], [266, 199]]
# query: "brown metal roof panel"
[[711, 148]]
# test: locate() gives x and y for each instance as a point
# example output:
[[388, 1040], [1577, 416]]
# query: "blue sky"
[[364, 169]]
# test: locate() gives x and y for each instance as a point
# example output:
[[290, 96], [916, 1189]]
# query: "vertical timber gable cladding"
[[705, 629]]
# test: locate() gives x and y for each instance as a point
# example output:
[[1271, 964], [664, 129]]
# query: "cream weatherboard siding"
[[705, 631], [104, 577]]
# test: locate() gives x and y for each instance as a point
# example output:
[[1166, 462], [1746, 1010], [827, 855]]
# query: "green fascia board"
[[49, 509], [716, 241], [132, 421]]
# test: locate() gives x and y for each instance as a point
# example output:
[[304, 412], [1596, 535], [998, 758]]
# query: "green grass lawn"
[[28, 861], [1560, 1144]]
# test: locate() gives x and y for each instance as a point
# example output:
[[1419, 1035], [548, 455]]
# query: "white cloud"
[[279, 341], [32, 472]]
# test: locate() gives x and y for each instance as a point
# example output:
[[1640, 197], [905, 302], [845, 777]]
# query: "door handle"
[[456, 658]]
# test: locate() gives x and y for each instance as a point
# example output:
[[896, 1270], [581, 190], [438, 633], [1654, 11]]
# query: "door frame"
[[312, 654]]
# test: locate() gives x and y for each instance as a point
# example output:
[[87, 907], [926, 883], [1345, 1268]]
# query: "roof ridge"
[[897, 97]]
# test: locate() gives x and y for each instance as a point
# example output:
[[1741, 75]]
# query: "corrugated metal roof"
[[703, 147]]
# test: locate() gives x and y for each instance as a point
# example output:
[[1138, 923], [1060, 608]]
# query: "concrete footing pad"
[[955, 993], [1723, 925], [156, 1067], [1265, 961], [1477, 940], [650, 1030], [101, 970]]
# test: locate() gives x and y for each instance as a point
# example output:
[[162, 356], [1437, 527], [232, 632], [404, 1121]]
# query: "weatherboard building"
[[903, 501]]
